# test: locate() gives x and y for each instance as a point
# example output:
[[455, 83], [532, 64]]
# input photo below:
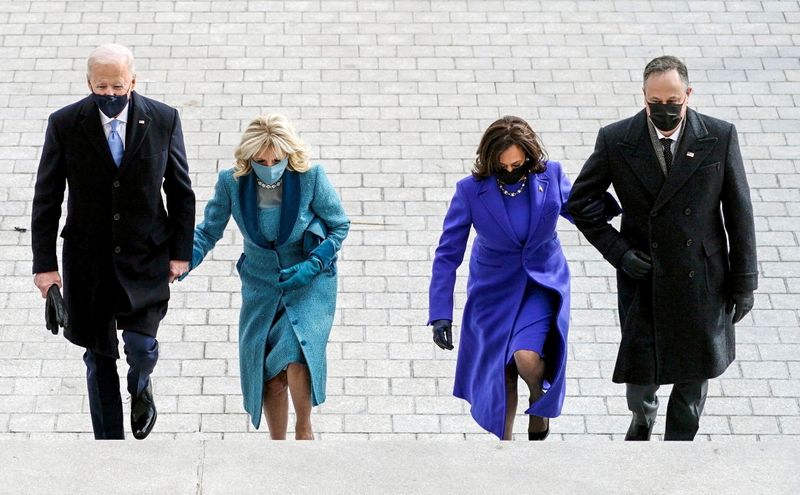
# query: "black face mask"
[[514, 176], [110, 105], [665, 116]]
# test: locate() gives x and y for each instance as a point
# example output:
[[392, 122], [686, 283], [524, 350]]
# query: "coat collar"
[[290, 206], [537, 191], [637, 150], [139, 121], [136, 129]]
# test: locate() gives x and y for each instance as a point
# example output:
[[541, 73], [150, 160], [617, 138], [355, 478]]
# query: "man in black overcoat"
[[685, 253], [115, 151]]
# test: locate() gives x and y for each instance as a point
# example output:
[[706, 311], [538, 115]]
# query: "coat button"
[[294, 322], [689, 242], [654, 245], [691, 273], [303, 342], [117, 249], [116, 184], [687, 211], [116, 216], [653, 213]]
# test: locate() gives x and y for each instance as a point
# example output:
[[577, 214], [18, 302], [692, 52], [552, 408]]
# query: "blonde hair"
[[270, 131]]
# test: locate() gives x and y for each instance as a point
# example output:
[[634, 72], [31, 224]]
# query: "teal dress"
[[283, 347], [272, 321]]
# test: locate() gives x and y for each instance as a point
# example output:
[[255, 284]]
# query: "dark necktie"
[[666, 144]]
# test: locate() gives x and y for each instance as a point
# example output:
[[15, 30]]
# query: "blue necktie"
[[115, 143]]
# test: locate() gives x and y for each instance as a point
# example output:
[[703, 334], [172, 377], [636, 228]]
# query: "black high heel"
[[538, 435]]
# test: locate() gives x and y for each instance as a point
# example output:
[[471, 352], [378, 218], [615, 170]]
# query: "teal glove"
[[299, 275]]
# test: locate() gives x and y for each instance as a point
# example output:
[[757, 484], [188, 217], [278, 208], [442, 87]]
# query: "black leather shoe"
[[638, 432], [143, 413]]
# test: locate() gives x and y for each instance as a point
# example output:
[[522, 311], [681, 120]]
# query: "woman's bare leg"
[[276, 406], [300, 387]]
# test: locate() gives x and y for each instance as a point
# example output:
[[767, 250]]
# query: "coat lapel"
[[136, 129], [637, 149], [692, 149], [248, 200], [93, 130], [290, 204], [537, 193], [490, 196]]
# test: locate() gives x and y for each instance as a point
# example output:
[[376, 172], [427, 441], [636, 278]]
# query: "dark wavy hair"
[[501, 135]]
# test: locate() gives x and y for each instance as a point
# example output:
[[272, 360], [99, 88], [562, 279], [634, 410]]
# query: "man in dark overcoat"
[[685, 253], [115, 151]]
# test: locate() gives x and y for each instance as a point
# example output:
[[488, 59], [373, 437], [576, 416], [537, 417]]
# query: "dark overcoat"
[[500, 268], [696, 224], [118, 233]]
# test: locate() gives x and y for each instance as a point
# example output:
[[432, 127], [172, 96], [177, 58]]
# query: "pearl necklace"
[[269, 186], [515, 193]]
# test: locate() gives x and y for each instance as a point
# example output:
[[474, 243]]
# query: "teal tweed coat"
[[310, 309]]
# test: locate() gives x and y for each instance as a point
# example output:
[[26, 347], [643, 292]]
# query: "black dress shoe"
[[143, 413], [638, 432]]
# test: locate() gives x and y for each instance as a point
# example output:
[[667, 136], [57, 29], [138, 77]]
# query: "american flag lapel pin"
[[690, 154], [141, 122]]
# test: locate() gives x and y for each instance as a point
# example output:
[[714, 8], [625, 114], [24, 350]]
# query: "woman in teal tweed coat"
[[288, 281]]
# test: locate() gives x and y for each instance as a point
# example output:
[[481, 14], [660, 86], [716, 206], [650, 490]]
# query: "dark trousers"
[[102, 380], [684, 409]]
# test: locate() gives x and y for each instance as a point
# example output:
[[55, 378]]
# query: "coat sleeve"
[[592, 183], [327, 206], [215, 219], [51, 180], [448, 257], [564, 188], [737, 212], [179, 194]]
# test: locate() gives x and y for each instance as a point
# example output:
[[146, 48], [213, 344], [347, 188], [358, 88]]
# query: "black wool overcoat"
[[696, 224], [118, 232]]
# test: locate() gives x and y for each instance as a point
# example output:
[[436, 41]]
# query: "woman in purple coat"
[[517, 311]]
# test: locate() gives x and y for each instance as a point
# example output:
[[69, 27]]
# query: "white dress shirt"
[[123, 122], [674, 137]]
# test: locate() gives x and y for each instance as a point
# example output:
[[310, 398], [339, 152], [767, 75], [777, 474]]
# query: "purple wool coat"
[[499, 270]]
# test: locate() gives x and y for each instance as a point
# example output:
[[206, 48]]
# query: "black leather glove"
[[636, 264], [55, 311], [592, 211], [597, 210], [740, 303], [443, 334]]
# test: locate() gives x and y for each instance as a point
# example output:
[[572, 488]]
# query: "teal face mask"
[[270, 175]]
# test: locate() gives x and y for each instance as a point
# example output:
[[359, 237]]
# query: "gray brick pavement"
[[392, 96]]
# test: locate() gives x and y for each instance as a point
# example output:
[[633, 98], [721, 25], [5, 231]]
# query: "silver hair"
[[664, 64], [111, 53]]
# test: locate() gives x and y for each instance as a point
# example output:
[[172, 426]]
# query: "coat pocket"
[[707, 169], [716, 264]]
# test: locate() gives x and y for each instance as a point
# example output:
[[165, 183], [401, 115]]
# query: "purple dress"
[[518, 278], [539, 304]]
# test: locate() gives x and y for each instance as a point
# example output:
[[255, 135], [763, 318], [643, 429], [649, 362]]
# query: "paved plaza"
[[392, 96]]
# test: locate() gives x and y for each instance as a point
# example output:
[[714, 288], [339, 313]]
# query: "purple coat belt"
[[500, 268]]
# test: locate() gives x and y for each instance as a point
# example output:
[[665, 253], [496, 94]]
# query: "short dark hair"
[[663, 64], [501, 135]]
